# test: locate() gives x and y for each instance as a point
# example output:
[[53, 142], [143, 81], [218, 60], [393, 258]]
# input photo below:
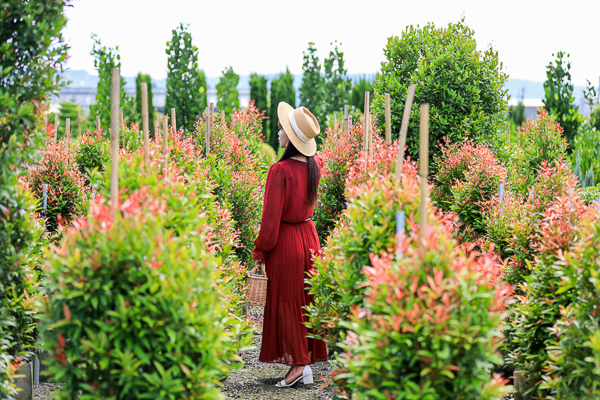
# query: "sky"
[[266, 36]]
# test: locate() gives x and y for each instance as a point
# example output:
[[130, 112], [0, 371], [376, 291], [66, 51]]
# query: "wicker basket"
[[257, 287]]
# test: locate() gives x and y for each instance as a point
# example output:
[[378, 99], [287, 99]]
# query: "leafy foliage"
[[312, 90], [428, 328], [186, 88], [590, 194], [468, 176], [339, 152], [586, 155], [282, 89], [259, 94], [67, 194], [69, 109], [227, 94], [559, 95], [464, 87], [357, 96], [92, 153], [337, 85], [139, 79], [127, 292], [105, 60], [32, 53]]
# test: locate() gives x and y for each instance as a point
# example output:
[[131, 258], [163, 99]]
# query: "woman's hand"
[[257, 264]]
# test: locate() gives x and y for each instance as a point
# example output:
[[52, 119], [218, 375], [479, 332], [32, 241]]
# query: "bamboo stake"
[[366, 124], [122, 129], [207, 123], [56, 120], [334, 125], [423, 169], [165, 144], [388, 120], [98, 123], [173, 121], [145, 116], [210, 126], [222, 116], [404, 128], [114, 140], [346, 110], [67, 131], [79, 123]]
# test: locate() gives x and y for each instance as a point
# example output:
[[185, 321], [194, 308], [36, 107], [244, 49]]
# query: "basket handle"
[[262, 269]]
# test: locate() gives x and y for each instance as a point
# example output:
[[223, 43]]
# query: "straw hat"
[[301, 127]]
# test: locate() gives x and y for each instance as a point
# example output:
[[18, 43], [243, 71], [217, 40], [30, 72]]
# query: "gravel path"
[[255, 380]]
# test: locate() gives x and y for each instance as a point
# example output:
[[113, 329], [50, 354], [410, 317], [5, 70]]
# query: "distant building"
[[86, 96], [531, 106]]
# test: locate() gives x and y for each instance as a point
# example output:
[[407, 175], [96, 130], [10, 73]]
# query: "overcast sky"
[[265, 36]]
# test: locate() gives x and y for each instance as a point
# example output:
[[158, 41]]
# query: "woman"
[[286, 243]]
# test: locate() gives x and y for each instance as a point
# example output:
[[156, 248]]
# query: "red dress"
[[286, 242]]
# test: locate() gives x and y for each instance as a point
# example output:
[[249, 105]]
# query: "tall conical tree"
[[227, 93], [184, 83], [282, 89], [259, 93], [312, 90], [138, 96]]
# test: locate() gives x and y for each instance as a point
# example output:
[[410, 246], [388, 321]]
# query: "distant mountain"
[[517, 88]]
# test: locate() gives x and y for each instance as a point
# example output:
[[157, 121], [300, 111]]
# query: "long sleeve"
[[271, 218]]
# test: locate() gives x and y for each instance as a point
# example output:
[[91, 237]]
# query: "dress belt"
[[296, 223]]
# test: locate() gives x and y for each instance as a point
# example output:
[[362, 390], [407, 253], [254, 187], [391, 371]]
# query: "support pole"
[[56, 121], [388, 120], [98, 127], [423, 169], [173, 121], [222, 116], [145, 116], [114, 140], [67, 131], [346, 126], [404, 128], [211, 110], [334, 125], [366, 125], [165, 145], [122, 129]]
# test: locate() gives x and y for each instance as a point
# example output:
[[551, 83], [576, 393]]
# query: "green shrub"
[[142, 307], [68, 193], [586, 155], [339, 151], [468, 176], [464, 87], [574, 344], [367, 226], [428, 329], [590, 194], [543, 300], [92, 153], [134, 138]]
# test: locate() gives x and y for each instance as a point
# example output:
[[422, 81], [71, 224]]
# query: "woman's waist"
[[297, 222]]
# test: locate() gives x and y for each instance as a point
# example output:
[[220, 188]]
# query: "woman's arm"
[[271, 218]]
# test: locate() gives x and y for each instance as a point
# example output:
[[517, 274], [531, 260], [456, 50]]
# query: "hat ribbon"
[[296, 128]]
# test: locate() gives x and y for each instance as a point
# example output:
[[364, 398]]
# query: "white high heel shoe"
[[307, 378]]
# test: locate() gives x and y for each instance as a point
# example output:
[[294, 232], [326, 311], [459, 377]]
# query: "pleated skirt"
[[285, 337]]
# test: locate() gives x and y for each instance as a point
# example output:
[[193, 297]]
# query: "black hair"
[[313, 171]]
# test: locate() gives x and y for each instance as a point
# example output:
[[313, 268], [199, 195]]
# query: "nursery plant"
[[427, 328], [462, 85], [92, 153], [135, 311]]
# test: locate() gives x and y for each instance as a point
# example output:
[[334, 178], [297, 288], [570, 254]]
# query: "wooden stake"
[[222, 116], [98, 127], [211, 109], [122, 129], [67, 131], [388, 120], [404, 128], [346, 110], [207, 126], [114, 139], [145, 116], [173, 121], [366, 124], [56, 121], [423, 169], [79, 123], [334, 124], [165, 144]]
